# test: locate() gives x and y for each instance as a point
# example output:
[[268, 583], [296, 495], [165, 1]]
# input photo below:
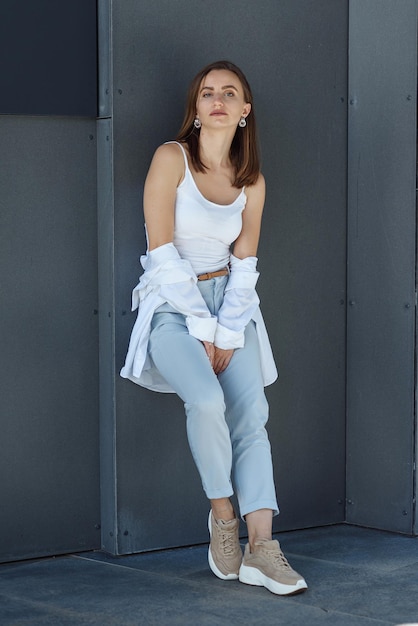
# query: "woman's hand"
[[221, 359], [210, 351], [218, 358]]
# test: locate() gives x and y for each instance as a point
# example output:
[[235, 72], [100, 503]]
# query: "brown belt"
[[209, 275]]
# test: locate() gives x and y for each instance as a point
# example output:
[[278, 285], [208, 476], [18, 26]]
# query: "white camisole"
[[204, 230]]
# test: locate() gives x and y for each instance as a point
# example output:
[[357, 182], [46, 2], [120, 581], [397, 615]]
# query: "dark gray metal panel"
[[49, 464], [303, 257], [105, 213], [295, 57], [104, 37], [381, 263], [48, 57]]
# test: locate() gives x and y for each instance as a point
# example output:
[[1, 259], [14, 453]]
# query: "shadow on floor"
[[356, 577]]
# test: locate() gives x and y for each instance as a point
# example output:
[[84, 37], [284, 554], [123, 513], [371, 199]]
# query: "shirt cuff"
[[228, 339], [203, 328]]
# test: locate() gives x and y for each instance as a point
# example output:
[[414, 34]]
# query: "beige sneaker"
[[267, 567], [225, 554]]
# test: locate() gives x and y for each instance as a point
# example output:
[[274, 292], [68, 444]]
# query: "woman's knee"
[[207, 404], [247, 423]]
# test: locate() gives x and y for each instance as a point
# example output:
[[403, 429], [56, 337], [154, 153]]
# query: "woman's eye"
[[229, 94], [206, 95]]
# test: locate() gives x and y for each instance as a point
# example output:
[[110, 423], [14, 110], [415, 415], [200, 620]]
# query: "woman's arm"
[[240, 301], [247, 243], [164, 176]]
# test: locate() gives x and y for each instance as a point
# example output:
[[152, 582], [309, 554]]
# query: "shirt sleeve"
[[239, 305], [173, 279]]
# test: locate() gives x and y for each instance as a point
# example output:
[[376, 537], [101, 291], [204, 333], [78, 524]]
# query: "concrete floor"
[[356, 577]]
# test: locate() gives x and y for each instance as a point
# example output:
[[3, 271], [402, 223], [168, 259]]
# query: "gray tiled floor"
[[356, 577]]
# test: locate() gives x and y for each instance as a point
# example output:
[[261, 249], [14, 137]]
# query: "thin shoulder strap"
[[186, 163]]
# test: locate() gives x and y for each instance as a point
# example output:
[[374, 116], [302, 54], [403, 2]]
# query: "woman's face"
[[220, 101]]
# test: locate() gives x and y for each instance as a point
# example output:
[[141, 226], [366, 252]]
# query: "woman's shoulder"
[[169, 156], [258, 187], [171, 151]]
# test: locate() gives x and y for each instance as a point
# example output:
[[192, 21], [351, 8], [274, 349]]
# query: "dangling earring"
[[197, 123], [242, 122]]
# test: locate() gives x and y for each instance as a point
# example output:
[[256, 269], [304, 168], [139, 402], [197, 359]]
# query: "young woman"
[[199, 331]]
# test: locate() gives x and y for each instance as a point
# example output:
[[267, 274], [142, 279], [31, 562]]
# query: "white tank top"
[[204, 230]]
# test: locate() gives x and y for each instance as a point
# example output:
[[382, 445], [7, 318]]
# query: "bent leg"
[[246, 415], [181, 359]]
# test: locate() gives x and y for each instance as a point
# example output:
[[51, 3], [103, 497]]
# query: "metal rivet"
[[409, 97], [120, 91]]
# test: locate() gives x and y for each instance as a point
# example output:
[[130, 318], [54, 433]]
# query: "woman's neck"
[[214, 150]]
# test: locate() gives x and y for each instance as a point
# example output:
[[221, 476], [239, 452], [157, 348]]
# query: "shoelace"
[[227, 541], [277, 557]]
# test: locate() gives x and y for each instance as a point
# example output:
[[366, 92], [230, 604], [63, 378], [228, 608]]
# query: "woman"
[[199, 330]]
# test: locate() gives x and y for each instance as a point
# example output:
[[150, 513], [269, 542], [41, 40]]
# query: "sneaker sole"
[[212, 563], [253, 576]]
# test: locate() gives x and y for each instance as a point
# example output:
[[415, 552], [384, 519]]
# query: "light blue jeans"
[[226, 414]]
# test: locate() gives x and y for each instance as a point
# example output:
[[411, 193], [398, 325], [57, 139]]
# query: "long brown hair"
[[244, 153]]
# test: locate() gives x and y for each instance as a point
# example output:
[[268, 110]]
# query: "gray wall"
[[49, 416], [48, 57], [297, 65], [295, 56], [49, 458], [381, 263]]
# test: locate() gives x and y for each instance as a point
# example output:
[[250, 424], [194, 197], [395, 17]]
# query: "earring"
[[197, 123], [242, 122]]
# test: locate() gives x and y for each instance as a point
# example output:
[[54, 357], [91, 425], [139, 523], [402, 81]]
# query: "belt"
[[208, 275]]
